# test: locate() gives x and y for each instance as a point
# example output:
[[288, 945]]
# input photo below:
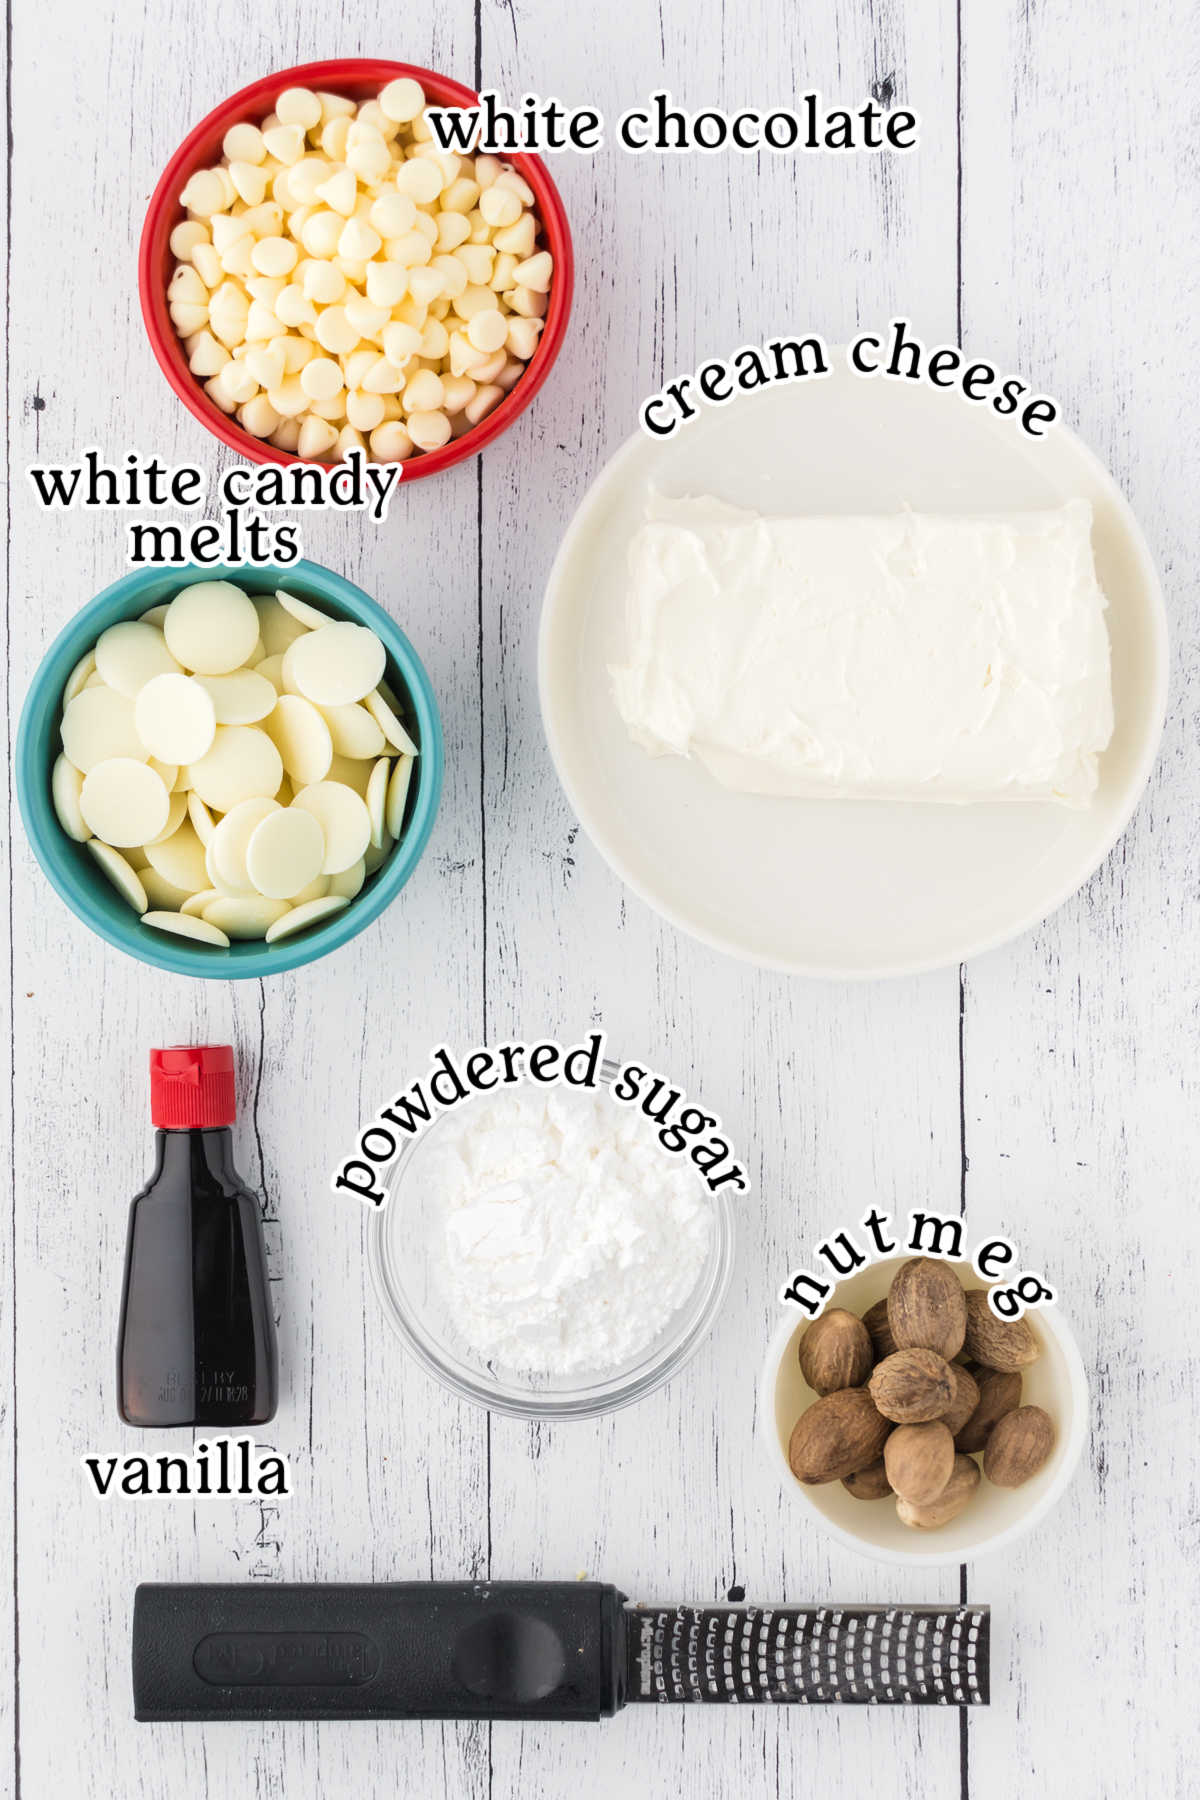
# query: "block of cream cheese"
[[902, 657]]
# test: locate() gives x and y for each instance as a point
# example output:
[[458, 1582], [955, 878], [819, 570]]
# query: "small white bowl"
[[995, 1516]]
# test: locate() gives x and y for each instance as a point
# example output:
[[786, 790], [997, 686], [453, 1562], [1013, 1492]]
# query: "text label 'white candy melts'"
[[341, 283], [235, 765]]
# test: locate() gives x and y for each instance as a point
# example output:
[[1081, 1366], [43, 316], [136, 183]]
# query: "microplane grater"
[[530, 1650]]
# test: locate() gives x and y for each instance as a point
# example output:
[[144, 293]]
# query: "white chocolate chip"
[[402, 100], [536, 272], [244, 143], [482, 402], [499, 206], [429, 430]]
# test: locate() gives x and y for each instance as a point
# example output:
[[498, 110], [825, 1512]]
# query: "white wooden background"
[[1050, 217]]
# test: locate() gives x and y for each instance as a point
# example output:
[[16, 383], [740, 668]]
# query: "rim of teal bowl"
[[68, 866]]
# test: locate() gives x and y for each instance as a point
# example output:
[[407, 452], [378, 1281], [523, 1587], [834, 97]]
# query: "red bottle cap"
[[191, 1085]]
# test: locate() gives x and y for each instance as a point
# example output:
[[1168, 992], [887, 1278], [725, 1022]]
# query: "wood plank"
[[679, 260], [386, 1471], [1081, 1100]]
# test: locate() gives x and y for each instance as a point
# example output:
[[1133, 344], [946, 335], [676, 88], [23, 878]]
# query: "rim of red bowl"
[[357, 78]]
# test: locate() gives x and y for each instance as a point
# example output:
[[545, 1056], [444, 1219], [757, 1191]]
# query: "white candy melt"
[[397, 795], [301, 737], [66, 784], [301, 611], [211, 627], [243, 918], [377, 788], [389, 724], [124, 802], [338, 664], [175, 718], [179, 859], [185, 926], [299, 918], [344, 820], [242, 698], [285, 853], [242, 763], [127, 655], [225, 852], [121, 873], [98, 724]]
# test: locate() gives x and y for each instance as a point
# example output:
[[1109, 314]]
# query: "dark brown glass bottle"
[[197, 1338]]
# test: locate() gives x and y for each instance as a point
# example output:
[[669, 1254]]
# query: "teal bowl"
[[76, 878]]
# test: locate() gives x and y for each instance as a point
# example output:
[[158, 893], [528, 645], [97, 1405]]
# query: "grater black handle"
[[409, 1650], [805, 1655]]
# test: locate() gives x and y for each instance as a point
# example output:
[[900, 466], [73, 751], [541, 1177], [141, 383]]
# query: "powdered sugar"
[[564, 1236]]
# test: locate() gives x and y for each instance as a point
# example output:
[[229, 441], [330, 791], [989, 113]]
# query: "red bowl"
[[358, 79]]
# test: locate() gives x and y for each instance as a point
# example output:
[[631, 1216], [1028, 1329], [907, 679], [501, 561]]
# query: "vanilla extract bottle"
[[196, 1344]]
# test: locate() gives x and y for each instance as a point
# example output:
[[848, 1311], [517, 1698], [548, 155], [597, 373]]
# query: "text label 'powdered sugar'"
[[684, 1130]]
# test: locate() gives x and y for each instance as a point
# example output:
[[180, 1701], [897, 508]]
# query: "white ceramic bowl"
[[839, 888], [995, 1516]]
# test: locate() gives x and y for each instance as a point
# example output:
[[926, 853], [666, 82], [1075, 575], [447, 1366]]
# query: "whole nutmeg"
[[999, 1393], [919, 1460], [876, 1321], [966, 1399], [1018, 1447], [998, 1343], [912, 1386], [927, 1309], [836, 1436], [835, 1352], [960, 1488], [870, 1483]]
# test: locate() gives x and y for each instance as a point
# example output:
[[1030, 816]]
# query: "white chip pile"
[[340, 282], [235, 764]]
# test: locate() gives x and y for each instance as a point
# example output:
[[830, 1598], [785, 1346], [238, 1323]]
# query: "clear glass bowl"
[[398, 1249]]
